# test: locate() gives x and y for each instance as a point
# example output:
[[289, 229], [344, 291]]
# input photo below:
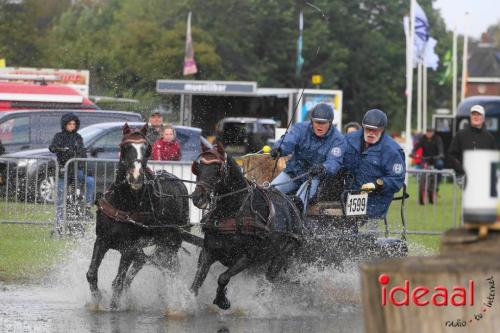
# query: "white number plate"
[[356, 204]]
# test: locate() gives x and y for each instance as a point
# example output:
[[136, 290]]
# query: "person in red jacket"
[[167, 148]]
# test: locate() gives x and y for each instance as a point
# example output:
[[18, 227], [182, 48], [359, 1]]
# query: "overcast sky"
[[482, 14]]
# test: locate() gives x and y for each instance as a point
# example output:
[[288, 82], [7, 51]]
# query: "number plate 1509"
[[356, 204]]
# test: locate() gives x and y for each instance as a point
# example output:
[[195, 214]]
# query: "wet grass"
[[26, 212], [27, 252]]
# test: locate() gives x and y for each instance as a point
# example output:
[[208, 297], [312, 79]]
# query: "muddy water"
[[318, 300]]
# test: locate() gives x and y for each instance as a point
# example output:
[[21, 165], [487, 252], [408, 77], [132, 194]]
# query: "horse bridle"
[[137, 137], [203, 158]]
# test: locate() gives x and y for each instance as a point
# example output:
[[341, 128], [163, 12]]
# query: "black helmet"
[[374, 119], [322, 112]]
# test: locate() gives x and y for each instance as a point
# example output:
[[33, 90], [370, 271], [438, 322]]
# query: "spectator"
[[68, 144], [167, 148], [352, 126], [431, 147], [155, 128], [471, 138]]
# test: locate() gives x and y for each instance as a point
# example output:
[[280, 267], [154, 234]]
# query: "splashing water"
[[314, 290], [314, 298]]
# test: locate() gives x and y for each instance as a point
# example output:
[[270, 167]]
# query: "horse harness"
[[239, 223], [135, 218], [115, 214]]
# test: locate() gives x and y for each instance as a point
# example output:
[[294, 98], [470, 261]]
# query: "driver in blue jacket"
[[316, 146], [376, 162]]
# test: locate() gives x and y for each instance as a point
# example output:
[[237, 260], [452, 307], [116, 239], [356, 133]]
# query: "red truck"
[[45, 88], [21, 96]]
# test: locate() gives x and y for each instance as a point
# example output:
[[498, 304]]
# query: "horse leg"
[[137, 264], [220, 299], [125, 262], [280, 260], [204, 262], [100, 249]]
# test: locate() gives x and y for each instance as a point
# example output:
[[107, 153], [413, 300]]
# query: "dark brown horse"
[[246, 225], [139, 209]]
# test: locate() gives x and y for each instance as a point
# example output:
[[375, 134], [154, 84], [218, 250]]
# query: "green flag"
[[445, 76]]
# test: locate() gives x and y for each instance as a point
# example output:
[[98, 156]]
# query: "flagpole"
[[409, 81], [419, 96], [424, 98], [454, 71], [464, 59]]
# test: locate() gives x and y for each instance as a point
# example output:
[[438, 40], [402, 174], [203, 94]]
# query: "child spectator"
[[68, 144], [167, 148]]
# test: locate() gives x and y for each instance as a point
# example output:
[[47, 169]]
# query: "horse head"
[[134, 153], [210, 168]]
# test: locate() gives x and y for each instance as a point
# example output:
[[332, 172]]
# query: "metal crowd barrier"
[[27, 190], [434, 204]]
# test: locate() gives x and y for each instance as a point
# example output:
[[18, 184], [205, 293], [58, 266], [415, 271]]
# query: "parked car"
[[243, 135], [30, 129], [102, 141]]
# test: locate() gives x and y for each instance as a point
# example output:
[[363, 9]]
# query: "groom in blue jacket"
[[316, 146]]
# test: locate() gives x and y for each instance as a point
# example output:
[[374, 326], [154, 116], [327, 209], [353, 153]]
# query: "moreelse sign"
[[206, 87]]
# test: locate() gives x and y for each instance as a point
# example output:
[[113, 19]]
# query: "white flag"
[[421, 32], [423, 44], [431, 58]]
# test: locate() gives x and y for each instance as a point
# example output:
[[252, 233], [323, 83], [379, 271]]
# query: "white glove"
[[368, 187]]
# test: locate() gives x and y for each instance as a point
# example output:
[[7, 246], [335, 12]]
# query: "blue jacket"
[[384, 160], [307, 149]]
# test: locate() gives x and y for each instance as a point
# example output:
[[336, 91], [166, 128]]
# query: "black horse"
[[246, 225], [139, 209]]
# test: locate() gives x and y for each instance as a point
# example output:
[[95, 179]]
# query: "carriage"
[[336, 226]]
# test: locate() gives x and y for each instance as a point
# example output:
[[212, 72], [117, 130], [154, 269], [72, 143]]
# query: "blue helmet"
[[322, 112], [375, 119]]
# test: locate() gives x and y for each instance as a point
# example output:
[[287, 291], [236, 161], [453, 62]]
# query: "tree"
[[127, 45], [494, 32], [17, 42], [358, 46]]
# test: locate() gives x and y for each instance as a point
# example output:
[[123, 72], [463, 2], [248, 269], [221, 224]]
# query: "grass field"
[[429, 218], [29, 212], [28, 251]]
